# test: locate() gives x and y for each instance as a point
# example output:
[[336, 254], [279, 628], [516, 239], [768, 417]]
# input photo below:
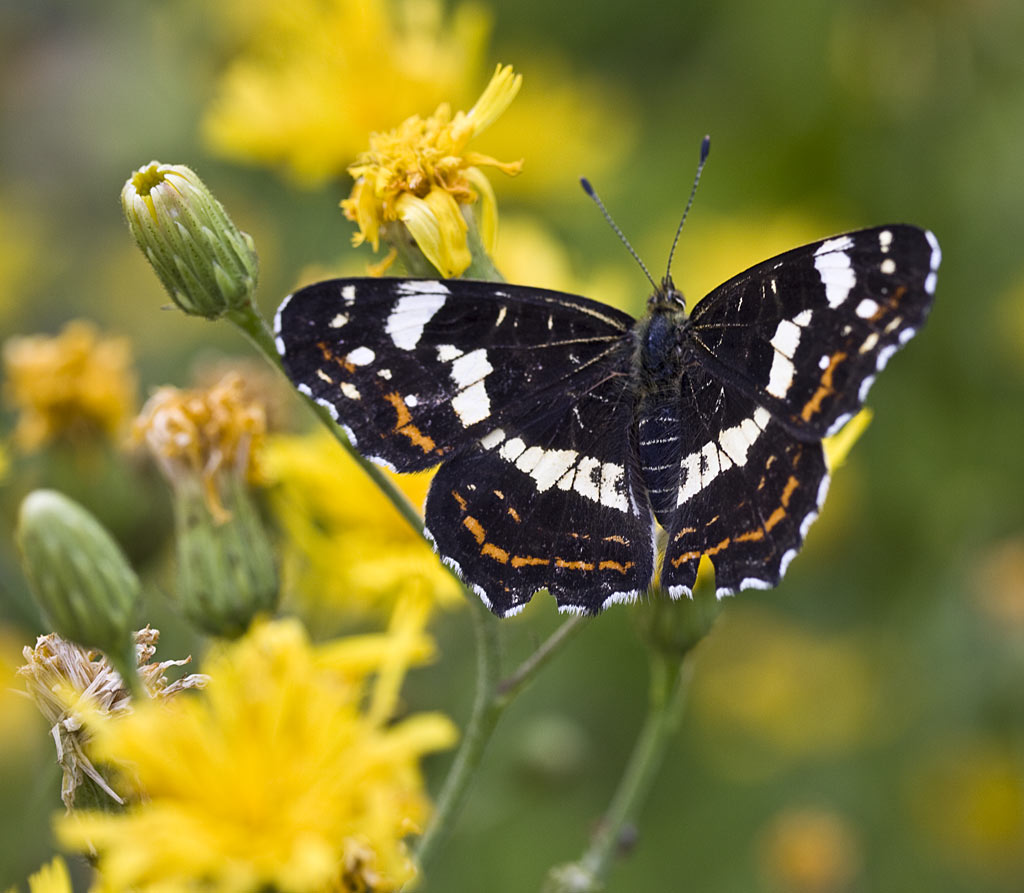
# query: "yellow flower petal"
[[838, 446], [437, 225], [487, 219], [496, 98]]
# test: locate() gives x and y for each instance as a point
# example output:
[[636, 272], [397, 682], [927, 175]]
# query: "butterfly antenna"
[[589, 190], [705, 148]]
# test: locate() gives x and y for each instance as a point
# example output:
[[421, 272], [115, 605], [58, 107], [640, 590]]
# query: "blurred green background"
[[861, 727]]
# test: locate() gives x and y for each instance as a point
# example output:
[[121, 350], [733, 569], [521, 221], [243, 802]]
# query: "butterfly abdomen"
[[657, 369]]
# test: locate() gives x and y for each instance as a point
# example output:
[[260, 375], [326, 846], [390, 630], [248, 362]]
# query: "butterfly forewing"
[[806, 333], [417, 369]]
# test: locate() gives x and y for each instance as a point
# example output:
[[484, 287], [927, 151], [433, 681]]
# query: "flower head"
[[205, 440], [73, 686], [273, 777], [203, 434], [421, 175], [75, 386], [346, 549]]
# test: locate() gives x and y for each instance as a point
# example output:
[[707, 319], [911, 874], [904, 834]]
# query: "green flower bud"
[[226, 569], [207, 264], [79, 575]]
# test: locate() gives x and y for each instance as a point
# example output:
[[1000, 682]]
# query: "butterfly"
[[567, 432]]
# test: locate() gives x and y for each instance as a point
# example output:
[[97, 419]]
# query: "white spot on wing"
[[339, 320], [781, 376], [888, 266], [511, 450], [869, 343], [786, 338], [472, 404], [350, 391], [412, 312], [736, 441], [833, 266], [492, 439], [348, 293], [361, 356], [867, 308], [411, 400], [447, 352], [885, 240], [471, 368]]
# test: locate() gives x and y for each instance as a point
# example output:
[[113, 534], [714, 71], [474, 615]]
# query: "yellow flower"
[[203, 433], [274, 777], [809, 850], [420, 173], [346, 548], [75, 386], [314, 77], [73, 686], [773, 693], [51, 878]]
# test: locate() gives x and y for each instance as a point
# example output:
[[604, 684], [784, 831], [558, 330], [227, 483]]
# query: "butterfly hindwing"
[[417, 369], [805, 333], [549, 501]]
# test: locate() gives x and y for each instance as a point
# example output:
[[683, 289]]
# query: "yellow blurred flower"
[[73, 687], [346, 548], [21, 250], [809, 850], [528, 253], [420, 174], [203, 433], [998, 585], [19, 719], [51, 878], [968, 798], [274, 777], [315, 77], [75, 386], [771, 694]]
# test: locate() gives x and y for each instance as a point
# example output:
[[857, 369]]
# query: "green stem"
[[512, 685], [486, 712], [670, 683]]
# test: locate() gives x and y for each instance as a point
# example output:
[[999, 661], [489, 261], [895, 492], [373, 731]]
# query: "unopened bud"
[[79, 575], [207, 264]]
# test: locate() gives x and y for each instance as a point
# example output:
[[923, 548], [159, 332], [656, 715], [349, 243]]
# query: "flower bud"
[[226, 569], [207, 264], [79, 575]]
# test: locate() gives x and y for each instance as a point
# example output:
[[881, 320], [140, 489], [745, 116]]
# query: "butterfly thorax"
[[660, 357]]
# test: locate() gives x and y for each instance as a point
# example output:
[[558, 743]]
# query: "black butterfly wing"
[[785, 354], [524, 396], [550, 501], [417, 369], [805, 333], [748, 491]]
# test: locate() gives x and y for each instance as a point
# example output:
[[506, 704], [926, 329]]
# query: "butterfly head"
[[666, 297]]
